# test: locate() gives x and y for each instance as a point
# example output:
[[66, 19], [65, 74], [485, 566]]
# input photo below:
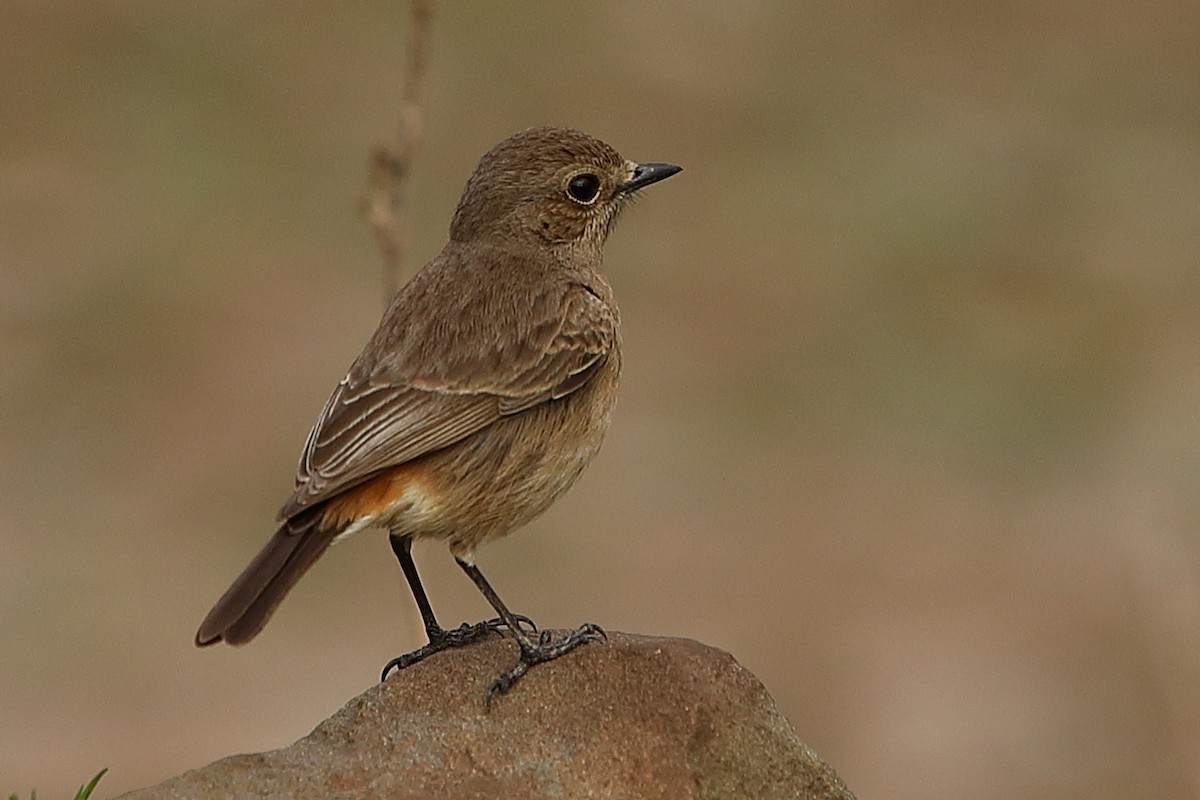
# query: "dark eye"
[[584, 188]]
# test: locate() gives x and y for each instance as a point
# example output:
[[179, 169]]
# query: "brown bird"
[[479, 400]]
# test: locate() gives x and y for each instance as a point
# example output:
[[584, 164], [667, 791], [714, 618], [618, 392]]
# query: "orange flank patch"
[[381, 494]]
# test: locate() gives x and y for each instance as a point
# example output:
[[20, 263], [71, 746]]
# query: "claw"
[[594, 631], [546, 649], [440, 639], [496, 623], [504, 682]]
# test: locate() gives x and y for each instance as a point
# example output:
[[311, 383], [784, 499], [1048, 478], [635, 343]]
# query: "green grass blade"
[[86, 790]]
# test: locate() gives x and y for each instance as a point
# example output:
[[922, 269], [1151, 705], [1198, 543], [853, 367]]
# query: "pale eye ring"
[[584, 188]]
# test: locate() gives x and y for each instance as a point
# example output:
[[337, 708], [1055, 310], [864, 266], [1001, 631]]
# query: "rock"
[[636, 717]]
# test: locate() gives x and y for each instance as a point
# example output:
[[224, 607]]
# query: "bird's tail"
[[247, 605]]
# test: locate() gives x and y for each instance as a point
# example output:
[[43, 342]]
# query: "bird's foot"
[[545, 649], [442, 639]]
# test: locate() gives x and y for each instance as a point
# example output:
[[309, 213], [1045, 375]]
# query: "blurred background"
[[908, 421]]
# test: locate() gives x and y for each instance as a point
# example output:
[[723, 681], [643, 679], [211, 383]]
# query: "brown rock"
[[636, 717]]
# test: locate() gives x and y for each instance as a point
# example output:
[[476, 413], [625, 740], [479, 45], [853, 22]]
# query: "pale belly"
[[502, 477]]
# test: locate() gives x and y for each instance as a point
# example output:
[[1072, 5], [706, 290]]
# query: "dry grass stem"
[[384, 206]]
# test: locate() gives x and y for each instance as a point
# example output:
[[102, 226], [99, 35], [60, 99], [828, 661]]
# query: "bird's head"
[[551, 186]]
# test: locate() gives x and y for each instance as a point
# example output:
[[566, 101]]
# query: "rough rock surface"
[[636, 717]]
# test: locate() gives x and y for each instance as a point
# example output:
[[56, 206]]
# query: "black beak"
[[648, 173]]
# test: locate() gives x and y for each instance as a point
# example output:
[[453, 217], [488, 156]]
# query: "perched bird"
[[480, 398]]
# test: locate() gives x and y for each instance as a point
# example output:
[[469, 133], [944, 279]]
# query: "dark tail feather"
[[247, 605]]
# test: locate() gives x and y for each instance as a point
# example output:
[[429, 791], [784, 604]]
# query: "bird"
[[482, 395]]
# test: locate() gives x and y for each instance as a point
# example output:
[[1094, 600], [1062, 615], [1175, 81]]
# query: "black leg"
[[402, 547], [439, 638], [532, 652]]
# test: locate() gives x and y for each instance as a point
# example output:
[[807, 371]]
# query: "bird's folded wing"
[[381, 418]]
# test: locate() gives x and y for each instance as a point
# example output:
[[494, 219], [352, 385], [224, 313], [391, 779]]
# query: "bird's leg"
[[439, 637], [532, 652]]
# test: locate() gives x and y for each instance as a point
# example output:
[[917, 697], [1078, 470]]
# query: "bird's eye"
[[584, 188]]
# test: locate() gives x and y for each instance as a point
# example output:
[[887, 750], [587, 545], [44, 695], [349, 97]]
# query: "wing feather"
[[392, 411]]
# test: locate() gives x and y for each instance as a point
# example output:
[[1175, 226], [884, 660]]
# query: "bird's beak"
[[648, 173]]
